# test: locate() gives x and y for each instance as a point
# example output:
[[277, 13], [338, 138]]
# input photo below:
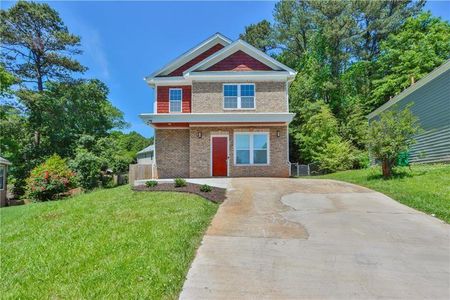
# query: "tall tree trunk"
[[37, 133], [387, 168]]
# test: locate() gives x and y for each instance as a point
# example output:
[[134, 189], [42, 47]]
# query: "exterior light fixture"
[[278, 133], [199, 134]]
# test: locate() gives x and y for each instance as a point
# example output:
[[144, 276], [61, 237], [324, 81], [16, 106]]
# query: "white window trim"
[[238, 96], [181, 101], [251, 148], [211, 152]]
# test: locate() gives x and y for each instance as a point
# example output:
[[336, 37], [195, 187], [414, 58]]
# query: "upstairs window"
[[239, 96], [175, 97]]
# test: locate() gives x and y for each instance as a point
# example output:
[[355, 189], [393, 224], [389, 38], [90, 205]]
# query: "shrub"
[[205, 188], [88, 167], [180, 182], [336, 155], [151, 183], [49, 179]]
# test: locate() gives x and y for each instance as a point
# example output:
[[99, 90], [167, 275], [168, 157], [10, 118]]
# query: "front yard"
[[107, 244], [423, 187]]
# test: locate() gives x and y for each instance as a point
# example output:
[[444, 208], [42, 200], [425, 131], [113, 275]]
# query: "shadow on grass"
[[398, 173]]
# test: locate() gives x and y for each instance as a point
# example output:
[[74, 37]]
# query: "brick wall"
[[239, 61], [172, 152], [163, 98], [270, 96], [200, 158]]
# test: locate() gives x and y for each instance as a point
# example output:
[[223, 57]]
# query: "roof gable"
[[179, 71], [238, 47], [239, 61], [191, 54]]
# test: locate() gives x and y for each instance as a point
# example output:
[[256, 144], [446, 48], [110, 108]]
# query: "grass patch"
[[107, 244], [423, 187]]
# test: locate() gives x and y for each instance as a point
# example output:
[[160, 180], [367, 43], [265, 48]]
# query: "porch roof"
[[212, 118]]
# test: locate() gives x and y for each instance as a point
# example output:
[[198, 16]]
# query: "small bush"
[[151, 183], [49, 179], [205, 188], [180, 182], [88, 169], [336, 155]]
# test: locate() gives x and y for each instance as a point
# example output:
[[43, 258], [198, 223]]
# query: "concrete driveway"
[[277, 238]]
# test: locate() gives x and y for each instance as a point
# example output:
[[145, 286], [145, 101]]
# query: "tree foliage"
[[36, 45], [351, 56], [421, 45], [49, 111], [259, 35], [390, 135]]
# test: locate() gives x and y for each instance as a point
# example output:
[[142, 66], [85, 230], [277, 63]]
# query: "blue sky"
[[125, 41]]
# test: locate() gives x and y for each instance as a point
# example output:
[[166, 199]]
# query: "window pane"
[[230, 90], [260, 141], [242, 141], [175, 106], [247, 90], [260, 156], [242, 156], [230, 102], [247, 102], [175, 94]]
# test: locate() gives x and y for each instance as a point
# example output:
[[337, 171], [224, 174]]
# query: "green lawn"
[[423, 187], [107, 244]]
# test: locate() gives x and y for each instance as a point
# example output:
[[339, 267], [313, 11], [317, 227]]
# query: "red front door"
[[219, 156]]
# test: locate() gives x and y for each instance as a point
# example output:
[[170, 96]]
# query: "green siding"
[[432, 107]]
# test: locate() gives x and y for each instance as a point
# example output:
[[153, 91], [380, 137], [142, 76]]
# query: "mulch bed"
[[217, 195]]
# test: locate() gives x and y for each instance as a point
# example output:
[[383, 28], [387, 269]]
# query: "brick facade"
[[270, 96], [172, 152], [181, 153], [239, 61], [163, 98]]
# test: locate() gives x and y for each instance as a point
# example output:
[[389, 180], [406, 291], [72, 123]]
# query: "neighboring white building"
[[146, 155]]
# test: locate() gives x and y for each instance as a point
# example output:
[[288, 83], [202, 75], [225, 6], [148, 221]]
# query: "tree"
[[319, 127], [68, 110], [259, 35], [36, 44], [37, 47], [376, 20], [392, 134], [6, 81], [420, 46]]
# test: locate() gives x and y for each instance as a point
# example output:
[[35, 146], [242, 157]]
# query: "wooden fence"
[[140, 171]]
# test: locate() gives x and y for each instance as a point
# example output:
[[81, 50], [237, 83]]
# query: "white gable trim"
[[190, 54], [234, 47]]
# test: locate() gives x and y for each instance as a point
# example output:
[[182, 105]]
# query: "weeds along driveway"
[[299, 238]]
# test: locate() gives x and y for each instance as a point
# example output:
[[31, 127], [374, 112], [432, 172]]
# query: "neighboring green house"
[[431, 98]]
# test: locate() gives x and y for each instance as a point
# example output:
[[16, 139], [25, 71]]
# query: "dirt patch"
[[216, 195]]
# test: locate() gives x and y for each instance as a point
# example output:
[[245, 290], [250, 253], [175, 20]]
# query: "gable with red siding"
[[179, 71], [239, 61], [163, 98]]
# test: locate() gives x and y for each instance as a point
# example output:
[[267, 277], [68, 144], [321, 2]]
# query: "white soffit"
[[217, 117]]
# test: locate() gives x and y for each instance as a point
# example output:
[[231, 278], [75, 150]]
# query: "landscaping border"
[[216, 195]]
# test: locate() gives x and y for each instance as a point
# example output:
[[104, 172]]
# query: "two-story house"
[[221, 109]]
